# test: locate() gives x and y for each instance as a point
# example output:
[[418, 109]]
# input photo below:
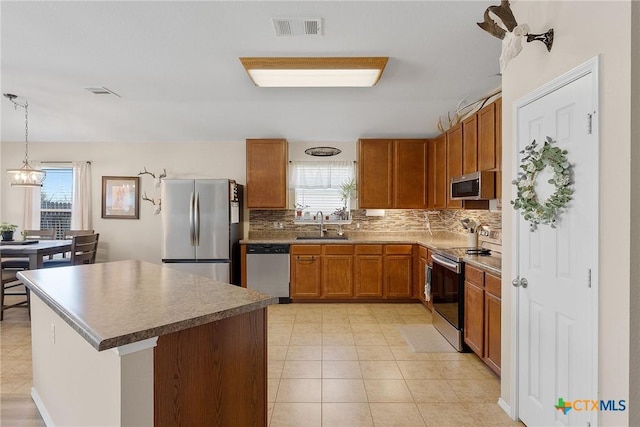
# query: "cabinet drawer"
[[306, 249], [338, 249], [474, 275], [398, 249], [492, 284], [368, 249]]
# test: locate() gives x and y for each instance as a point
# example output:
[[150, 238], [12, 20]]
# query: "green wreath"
[[534, 161]]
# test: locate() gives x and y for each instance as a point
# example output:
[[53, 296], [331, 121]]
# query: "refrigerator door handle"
[[197, 220], [192, 231]]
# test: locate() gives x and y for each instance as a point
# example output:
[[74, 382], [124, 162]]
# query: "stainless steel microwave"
[[474, 186]]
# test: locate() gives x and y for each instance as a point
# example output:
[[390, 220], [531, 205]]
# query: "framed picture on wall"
[[121, 197]]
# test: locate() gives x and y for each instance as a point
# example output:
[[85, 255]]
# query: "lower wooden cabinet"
[[368, 275], [337, 271], [398, 266], [482, 305], [343, 272], [306, 271]]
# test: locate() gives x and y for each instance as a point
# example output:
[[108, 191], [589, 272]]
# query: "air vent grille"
[[297, 27], [101, 91]]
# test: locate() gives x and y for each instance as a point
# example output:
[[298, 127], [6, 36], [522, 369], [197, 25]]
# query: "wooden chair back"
[[84, 248], [39, 234], [68, 234]]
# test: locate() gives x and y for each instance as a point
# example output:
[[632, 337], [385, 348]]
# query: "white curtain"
[[81, 196], [31, 219], [311, 175]]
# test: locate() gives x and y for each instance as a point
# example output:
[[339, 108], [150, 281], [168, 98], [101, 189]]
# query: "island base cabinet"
[[214, 374], [74, 384]]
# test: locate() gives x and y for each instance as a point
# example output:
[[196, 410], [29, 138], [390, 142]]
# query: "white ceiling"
[[175, 65]]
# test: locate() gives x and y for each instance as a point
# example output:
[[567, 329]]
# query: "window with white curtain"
[[56, 198], [316, 185]]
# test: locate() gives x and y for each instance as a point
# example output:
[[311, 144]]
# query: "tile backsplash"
[[264, 223]]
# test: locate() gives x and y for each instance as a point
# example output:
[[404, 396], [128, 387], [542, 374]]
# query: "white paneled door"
[[556, 311]]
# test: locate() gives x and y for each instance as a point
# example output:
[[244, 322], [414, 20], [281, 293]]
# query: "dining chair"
[[70, 233], [12, 283], [23, 263], [84, 248], [39, 234]]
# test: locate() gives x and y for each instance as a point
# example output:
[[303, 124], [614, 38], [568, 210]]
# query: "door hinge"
[[590, 122], [589, 277]]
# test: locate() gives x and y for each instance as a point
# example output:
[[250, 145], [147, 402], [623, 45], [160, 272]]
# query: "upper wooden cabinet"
[[375, 173], [437, 172], [499, 148], [487, 138], [392, 173], [469, 145], [267, 173], [454, 161]]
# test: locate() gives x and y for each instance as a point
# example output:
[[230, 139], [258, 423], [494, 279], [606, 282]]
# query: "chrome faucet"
[[322, 230]]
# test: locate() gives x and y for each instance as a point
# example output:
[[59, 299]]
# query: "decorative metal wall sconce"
[[510, 32]]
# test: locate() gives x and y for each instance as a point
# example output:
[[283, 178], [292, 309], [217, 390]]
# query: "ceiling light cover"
[[315, 71]]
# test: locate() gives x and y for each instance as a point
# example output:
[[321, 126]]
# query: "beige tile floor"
[[347, 365], [329, 365]]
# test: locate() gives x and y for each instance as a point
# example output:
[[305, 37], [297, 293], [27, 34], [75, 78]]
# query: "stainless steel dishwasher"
[[268, 269]]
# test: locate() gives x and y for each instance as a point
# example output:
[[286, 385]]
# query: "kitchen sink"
[[322, 238]]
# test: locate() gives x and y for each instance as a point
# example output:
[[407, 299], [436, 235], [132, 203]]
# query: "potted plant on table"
[[7, 231]]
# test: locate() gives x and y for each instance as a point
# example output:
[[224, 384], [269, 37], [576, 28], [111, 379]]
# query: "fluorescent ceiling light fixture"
[[315, 71]]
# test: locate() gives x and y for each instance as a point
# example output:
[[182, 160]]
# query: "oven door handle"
[[451, 265]]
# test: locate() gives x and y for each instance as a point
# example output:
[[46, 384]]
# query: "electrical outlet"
[[53, 333], [278, 225]]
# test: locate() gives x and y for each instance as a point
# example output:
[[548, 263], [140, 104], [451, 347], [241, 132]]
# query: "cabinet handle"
[[306, 259]]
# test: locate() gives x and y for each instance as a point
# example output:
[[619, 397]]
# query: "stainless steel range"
[[447, 292]]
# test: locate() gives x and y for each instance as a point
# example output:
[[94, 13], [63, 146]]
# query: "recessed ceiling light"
[[101, 91], [315, 71]]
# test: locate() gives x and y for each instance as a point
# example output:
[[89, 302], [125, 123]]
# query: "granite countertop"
[[437, 240], [116, 303]]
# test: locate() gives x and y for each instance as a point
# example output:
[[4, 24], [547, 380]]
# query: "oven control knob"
[[520, 282]]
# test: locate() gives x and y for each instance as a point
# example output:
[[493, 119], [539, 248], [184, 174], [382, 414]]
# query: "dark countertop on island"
[[117, 303]]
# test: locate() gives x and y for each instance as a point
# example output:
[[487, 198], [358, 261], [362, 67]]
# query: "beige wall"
[[197, 160], [582, 31]]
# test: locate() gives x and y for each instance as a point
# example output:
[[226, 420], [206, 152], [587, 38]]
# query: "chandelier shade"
[[27, 175]]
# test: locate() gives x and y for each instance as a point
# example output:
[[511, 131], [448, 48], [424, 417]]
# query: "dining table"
[[34, 250]]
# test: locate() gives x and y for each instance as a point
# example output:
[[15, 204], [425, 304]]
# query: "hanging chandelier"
[[26, 176]]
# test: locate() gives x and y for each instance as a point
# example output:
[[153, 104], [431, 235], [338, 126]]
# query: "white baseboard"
[[40, 405], [506, 408]]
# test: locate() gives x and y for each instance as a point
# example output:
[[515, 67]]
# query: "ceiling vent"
[[297, 27], [101, 91]]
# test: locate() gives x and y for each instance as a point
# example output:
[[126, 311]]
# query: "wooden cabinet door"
[[267, 173], [375, 173], [337, 271], [492, 319], [469, 145], [410, 174], [398, 271], [437, 172], [474, 318], [492, 322], [454, 162], [368, 271], [306, 271], [487, 138], [421, 274]]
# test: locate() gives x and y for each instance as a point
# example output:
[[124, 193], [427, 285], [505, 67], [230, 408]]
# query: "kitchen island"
[[135, 343]]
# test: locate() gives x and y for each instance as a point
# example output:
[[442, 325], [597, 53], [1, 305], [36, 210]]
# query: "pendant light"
[[26, 176]]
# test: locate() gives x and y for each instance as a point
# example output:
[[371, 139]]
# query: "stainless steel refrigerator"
[[202, 227]]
